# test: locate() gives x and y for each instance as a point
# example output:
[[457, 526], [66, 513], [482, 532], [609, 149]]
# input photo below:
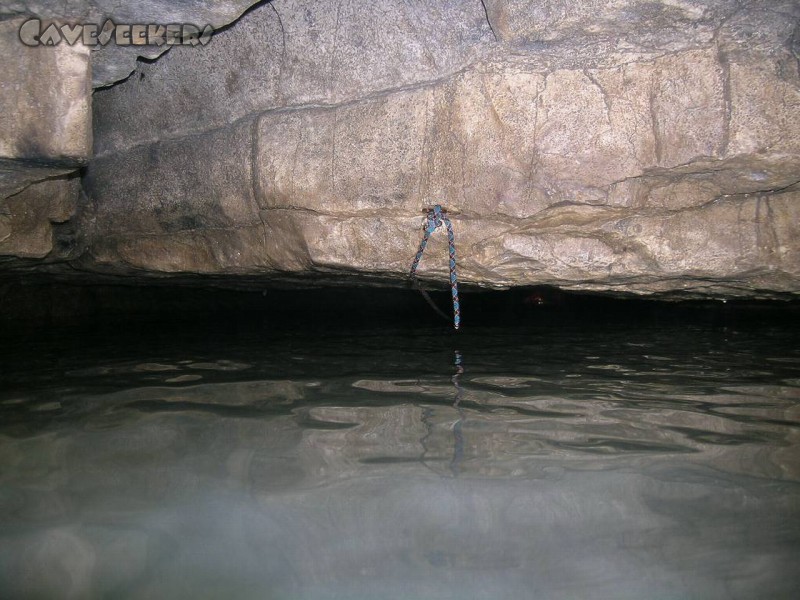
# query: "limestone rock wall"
[[27, 223], [617, 145], [45, 119], [45, 110], [112, 62]]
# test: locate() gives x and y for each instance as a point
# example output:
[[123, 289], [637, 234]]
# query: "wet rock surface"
[[29, 219], [113, 62], [45, 118], [631, 147], [45, 92]]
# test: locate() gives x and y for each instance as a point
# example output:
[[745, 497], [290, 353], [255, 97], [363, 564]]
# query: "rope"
[[435, 218]]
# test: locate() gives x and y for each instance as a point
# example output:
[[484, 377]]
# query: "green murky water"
[[536, 461]]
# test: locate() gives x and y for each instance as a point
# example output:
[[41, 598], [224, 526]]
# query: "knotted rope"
[[435, 218]]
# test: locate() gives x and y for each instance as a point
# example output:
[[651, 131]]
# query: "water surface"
[[536, 461]]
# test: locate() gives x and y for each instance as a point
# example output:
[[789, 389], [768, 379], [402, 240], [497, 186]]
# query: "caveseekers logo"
[[32, 33]]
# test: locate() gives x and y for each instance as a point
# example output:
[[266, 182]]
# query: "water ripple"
[[629, 464]]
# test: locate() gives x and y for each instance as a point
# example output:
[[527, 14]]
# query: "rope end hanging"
[[435, 218]]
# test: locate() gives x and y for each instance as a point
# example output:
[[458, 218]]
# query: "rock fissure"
[[489, 20]]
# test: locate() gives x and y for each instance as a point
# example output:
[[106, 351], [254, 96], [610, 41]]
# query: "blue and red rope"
[[436, 217]]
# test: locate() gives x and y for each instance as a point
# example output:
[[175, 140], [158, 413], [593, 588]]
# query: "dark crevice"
[[44, 302]]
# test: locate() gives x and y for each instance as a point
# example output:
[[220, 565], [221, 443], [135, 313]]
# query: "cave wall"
[[45, 113], [45, 125], [629, 145]]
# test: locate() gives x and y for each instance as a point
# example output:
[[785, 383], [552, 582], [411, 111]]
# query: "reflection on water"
[[525, 463]]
